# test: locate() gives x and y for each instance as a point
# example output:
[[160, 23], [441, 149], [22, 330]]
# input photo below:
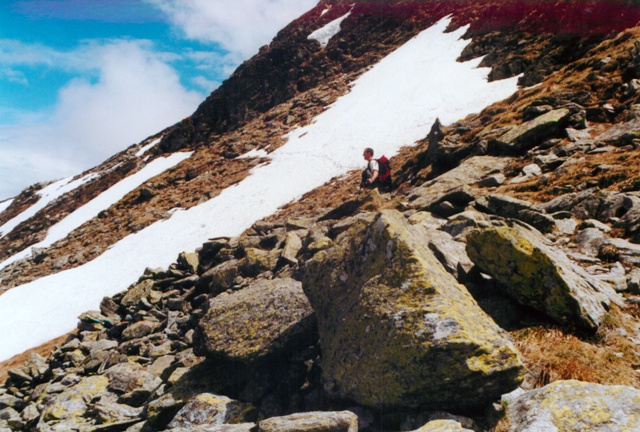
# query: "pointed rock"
[[396, 329]]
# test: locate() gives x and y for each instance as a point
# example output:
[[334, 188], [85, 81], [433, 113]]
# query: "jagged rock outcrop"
[[575, 406], [538, 276], [396, 329], [256, 321]]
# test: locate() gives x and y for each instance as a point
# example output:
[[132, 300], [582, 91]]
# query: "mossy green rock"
[[261, 319], [575, 406], [534, 132], [536, 275], [396, 329]]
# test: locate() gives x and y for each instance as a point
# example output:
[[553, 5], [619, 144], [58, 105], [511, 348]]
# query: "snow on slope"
[[144, 149], [5, 204], [47, 195], [324, 34], [390, 106], [99, 203]]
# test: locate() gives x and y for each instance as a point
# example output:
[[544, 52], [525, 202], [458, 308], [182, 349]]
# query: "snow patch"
[[255, 153], [48, 194], [324, 12], [390, 106], [324, 34], [102, 202], [144, 149], [5, 204]]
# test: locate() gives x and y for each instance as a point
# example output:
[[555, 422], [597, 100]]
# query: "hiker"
[[377, 175]]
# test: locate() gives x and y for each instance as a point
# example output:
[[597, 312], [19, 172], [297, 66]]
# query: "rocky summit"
[[494, 288]]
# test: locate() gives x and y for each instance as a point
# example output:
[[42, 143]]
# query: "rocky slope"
[[502, 267]]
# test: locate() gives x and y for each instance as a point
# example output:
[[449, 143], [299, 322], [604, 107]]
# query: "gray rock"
[[451, 254], [189, 261], [468, 172], [211, 409], [575, 406], [375, 311], [443, 426], [539, 276], [261, 319], [621, 134], [492, 180], [139, 329], [633, 281], [534, 132], [343, 421], [136, 292], [589, 241], [292, 246]]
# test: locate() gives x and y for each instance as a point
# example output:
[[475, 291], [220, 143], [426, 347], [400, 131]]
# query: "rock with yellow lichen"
[[540, 276], [210, 409], [67, 409], [575, 406], [342, 421], [443, 426], [396, 329], [259, 320]]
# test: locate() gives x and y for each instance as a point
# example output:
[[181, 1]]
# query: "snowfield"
[[47, 194], [392, 105], [102, 202]]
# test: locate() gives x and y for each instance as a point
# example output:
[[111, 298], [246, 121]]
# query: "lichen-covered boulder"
[[342, 421], [539, 276], [211, 409], [72, 404], [575, 406], [256, 321], [396, 329], [534, 132]]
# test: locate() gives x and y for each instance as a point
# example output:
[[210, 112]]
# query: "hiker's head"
[[368, 154]]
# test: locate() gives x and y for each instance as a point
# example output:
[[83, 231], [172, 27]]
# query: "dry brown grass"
[[608, 358]]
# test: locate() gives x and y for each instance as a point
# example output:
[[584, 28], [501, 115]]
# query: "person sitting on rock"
[[370, 174]]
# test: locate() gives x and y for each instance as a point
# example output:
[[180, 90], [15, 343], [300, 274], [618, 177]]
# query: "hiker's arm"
[[373, 177]]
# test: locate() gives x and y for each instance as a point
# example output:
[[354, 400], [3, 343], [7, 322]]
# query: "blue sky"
[[83, 79]]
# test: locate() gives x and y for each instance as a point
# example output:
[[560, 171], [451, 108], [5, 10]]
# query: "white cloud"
[[239, 26], [205, 83], [134, 95]]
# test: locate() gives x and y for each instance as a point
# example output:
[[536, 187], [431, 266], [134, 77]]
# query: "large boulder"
[[537, 275], [534, 132], [343, 421], [396, 329], [574, 406], [261, 319]]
